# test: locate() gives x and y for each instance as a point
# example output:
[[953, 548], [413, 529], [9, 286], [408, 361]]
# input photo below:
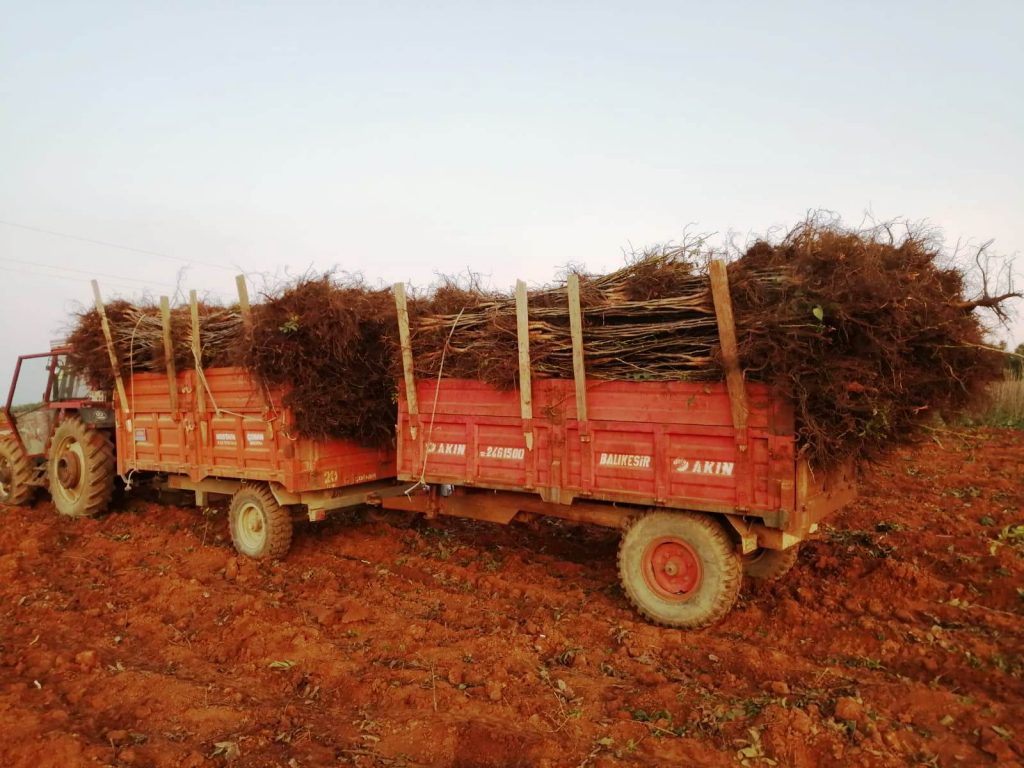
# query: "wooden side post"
[[197, 353], [525, 379], [410, 379], [172, 373], [579, 371], [114, 362], [243, 301], [730, 351]]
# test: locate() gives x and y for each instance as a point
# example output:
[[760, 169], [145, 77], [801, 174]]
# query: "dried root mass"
[[137, 331], [868, 333]]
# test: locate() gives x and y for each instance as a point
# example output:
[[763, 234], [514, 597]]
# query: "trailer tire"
[[260, 527], [770, 564], [15, 474], [81, 469], [679, 569]]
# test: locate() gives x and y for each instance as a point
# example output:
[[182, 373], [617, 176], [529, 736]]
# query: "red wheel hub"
[[69, 470], [672, 568]]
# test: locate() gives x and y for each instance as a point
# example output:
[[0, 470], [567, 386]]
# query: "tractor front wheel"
[[679, 569], [15, 474], [81, 469], [260, 527]]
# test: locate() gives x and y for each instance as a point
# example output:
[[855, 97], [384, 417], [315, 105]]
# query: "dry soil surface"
[[139, 638]]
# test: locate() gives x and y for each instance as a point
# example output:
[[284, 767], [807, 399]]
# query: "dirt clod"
[[849, 709], [87, 660]]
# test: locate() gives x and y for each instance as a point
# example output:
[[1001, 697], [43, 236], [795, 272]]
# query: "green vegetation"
[[1006, 403]]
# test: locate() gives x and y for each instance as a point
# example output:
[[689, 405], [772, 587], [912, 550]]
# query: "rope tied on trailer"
[[433, 407]]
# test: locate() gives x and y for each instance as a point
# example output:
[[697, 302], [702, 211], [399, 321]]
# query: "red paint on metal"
[[672, 569], [646, 444], [245, 433]]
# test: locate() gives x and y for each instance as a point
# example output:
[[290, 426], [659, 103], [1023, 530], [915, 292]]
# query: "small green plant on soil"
[[967, 492], [566, 657], [753, 754], [865, 540], [1010, 535]]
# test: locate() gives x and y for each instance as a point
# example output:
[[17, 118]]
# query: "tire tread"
[[99, 453], [278, 518], [732, 579], [21, 473]]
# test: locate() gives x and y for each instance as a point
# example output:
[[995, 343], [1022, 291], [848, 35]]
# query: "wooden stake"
[[197, 353], [410, 379], [579, 371], [172, 373], [243, 301], [730, 351], [525, 380], [114, 362]]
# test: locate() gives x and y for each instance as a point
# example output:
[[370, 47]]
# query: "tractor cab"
[[44, 394]]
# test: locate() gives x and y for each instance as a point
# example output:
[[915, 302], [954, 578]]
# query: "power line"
[[90, 274], [107, 244], [122, 286], [63, 277]]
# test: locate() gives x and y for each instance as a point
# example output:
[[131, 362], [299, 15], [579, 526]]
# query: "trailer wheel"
[[679, 569], [81, 469], [260, 527], [770, 564], [15, 474]]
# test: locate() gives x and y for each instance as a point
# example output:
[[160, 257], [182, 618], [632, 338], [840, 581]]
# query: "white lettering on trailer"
[[503, 452], [447, 449], [225, 438], [703, 467], [254, 438], [629, 460], [141, 435]]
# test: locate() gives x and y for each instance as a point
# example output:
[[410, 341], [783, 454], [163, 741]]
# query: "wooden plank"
[[172, 373], [111, 351], [730, 350], [197, 353], [243, 301], [525, 379], [412, 405], [579, 371]]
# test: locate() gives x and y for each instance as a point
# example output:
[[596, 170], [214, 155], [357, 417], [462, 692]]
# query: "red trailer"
[[704, 479], [214, 431], [224, 434]]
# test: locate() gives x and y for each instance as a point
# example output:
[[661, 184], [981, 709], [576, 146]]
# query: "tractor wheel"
[[81, 469], [679, 569], [260, 527], [15, 474], [770, 564]]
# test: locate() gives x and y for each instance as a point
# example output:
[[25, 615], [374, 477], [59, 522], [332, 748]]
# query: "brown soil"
[[140, 639]]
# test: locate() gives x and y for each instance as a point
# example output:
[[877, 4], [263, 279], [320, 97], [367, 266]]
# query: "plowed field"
[[140, 639]]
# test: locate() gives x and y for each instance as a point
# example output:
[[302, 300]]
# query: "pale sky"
[[405, 139]]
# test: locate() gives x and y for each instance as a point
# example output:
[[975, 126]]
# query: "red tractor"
[[55, 433]]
